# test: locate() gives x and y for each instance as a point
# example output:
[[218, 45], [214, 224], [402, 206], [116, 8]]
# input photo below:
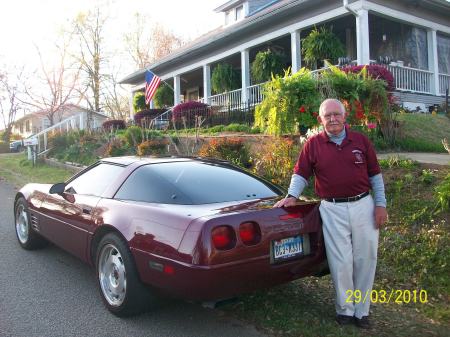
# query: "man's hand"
[[381, 216], [286, 202]]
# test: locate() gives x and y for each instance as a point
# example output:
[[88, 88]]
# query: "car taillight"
[[249, 233], [223, 237]]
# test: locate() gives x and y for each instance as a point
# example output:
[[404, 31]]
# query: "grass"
[[423, 132], [413, 254], [16, 169]]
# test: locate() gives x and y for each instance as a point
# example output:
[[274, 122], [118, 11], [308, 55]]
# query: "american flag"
[[151, 84]]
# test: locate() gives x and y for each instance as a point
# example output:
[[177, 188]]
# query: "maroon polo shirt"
[[340, 170]]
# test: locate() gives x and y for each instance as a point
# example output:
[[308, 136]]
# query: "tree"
[[9, 101], [89, 27], [321, 44], [59, 84], [146, 43], [116, 102]]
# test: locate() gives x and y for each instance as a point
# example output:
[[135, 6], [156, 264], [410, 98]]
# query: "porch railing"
[[444, 83], [411, 79], [254, 93], [226, 98]]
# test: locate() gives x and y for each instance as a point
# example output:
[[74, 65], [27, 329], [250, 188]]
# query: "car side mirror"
[[57, 188]]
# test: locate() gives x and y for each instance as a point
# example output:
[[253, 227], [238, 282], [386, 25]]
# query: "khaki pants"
[[351, 241]]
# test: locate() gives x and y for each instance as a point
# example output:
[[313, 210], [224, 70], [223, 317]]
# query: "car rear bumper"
[[225, 280]]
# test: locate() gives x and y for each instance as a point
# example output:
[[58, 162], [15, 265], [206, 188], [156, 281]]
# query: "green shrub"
[[442, 194], [117, 147], [154, 147], [232, 149], [289, 103], [234, 127], [275, 160], [395, 161], [134, 135], [266, 64], [139, 101]]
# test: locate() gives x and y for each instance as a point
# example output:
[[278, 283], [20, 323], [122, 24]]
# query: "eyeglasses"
[[336, 115]]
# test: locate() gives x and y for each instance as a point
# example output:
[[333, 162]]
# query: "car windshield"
[[193, 183]]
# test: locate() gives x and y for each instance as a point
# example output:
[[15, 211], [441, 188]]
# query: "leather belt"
[[348, 199]]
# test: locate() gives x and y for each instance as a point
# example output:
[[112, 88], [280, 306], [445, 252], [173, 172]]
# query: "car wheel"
[[121, 290], [26, 235]]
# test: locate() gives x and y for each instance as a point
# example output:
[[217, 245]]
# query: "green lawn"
[[423, 132], [15, 168]]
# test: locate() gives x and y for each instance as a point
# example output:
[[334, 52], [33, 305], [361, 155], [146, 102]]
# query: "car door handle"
[[87, 210]]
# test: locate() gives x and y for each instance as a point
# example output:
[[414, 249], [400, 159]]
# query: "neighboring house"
[[412, 39], [38, 121]]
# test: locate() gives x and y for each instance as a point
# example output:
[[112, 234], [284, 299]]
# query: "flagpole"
[[147, 69]]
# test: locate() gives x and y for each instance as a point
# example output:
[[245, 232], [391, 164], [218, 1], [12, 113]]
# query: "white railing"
[[226, 98], [411, 79], [71, 123], [444, 83], [161, 121], [255, 94]]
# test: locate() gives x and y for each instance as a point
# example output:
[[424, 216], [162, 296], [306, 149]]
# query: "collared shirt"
[[340, 170]]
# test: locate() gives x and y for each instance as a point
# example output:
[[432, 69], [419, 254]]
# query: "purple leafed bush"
[[376, 72], [114, 124], [147, 114], [189, 108]]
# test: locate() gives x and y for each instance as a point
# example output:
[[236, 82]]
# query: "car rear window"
[[193, 183]]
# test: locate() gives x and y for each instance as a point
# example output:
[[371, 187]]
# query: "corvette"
[[194, 228]]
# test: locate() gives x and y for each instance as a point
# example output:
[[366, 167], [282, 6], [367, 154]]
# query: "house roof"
[[63, 109], [266, 17]]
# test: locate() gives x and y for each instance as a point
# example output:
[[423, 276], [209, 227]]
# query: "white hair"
[[334, 100]]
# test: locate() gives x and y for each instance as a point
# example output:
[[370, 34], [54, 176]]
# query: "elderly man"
[[346, 169]]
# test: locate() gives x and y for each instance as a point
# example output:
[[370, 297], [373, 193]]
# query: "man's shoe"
[[363, 322], [344, 319]]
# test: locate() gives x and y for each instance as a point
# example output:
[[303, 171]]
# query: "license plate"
[[287, 248]]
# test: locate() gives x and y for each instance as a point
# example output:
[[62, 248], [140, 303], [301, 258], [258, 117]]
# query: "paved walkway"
[[430, 158]]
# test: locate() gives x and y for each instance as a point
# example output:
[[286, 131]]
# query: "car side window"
[[94, 181]]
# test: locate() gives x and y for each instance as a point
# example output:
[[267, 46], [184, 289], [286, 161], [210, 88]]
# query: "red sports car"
[[196, 228]]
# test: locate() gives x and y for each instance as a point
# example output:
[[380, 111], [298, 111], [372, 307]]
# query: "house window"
[[239, 13], [443, 48], [21, 127], [27, 126]]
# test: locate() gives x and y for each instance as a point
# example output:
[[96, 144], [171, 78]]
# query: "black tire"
[[121, 290], [28, 238]]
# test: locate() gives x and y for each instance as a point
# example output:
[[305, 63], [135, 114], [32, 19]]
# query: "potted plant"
[[224, 78], [321, 44], [266, 64]]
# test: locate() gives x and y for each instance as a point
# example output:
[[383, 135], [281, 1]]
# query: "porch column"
[[207, 84], [433, 61], [152, 104], [245, 66], [130, 104], [362, 37], [296, 54], [176, 90]]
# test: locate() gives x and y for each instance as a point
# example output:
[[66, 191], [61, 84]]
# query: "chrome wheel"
[[112, 275], [22, 224]]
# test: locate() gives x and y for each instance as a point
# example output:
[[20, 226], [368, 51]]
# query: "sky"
[[27, 23]]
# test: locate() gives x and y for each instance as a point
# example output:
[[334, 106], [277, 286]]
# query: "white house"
[[35, 122], [412, 36]]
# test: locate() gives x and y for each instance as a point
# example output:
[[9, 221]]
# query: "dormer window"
[[239, 12], [234, 10]]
